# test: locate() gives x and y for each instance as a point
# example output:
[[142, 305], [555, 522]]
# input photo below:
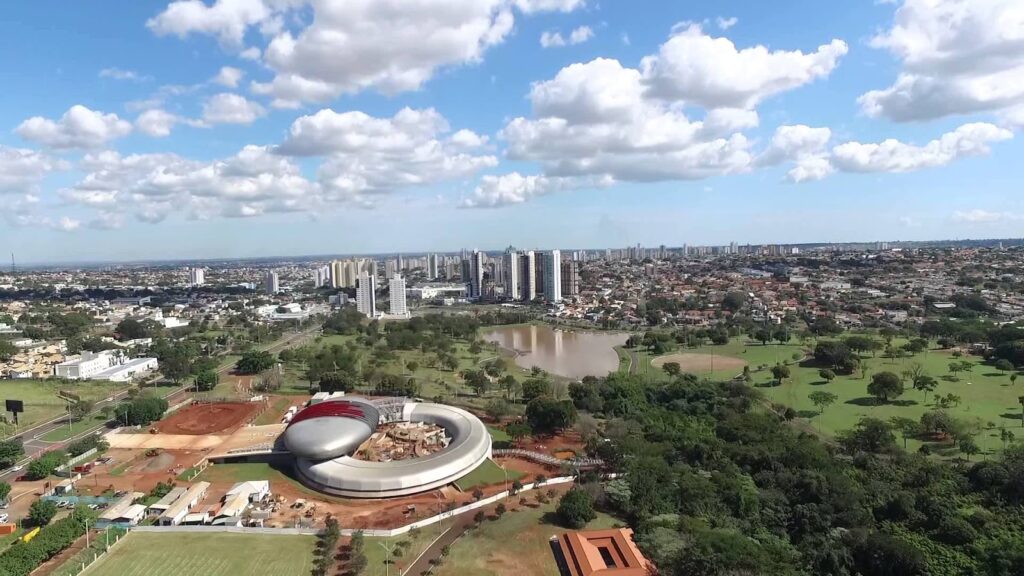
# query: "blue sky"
[[203, 128]]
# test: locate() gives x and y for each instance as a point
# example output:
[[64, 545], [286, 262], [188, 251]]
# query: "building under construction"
[[401, 441]]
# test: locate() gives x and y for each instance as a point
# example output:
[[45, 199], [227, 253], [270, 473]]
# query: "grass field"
[[41, 401], [484, 475], [76, 428], [377, 551], [515, 545], [754, 354], [987, 398], [214, 554]]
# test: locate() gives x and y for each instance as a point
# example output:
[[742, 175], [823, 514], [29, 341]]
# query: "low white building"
[[176, 512], [106, 365]]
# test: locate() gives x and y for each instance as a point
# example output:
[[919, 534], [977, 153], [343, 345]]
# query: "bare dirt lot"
[[200, 419], [696, 363]]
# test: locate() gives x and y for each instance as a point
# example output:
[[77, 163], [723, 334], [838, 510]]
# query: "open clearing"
[[515, 545], [202, 419], [697, 363], [41, 401], [485, 474], [221, 554]]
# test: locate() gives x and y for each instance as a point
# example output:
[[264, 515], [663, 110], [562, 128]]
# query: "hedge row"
[[24, 557]]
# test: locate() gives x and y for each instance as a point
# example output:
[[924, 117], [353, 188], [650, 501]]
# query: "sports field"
[[210, 554]]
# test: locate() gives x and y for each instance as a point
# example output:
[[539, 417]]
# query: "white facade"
[[398, 305], [271, 283], [510, 271], [106, 365], [366, 297], [476, 274], [553, 276], [433, 266], [196, 276]]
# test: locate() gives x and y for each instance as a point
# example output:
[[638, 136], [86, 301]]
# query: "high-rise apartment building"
[[510, 272], [196, 277], [553, 276], [271, 284], [366, 295], [433, 267], [570, 278], [397, 289], [476, 274], [528, 276]]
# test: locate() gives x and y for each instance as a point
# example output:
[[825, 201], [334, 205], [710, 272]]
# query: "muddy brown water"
[[569, 353]]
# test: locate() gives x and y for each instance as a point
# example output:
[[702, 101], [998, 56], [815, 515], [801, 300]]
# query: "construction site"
[[402, 441]]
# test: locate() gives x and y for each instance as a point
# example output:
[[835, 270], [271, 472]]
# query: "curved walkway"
[[541, 458]]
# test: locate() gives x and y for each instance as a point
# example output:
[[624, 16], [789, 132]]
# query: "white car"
[[17, 468], [3, 518]]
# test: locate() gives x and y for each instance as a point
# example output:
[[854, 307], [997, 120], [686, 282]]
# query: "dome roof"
[[331, 429]]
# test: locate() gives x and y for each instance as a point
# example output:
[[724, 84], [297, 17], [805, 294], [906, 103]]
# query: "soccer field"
[[212, 554]]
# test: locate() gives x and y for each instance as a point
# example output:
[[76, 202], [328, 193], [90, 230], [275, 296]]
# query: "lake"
[[569, 353]]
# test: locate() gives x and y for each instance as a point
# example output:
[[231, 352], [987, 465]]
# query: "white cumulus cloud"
[[895, 156], [22, 170], [229, 77], [958, 57], [79, 127], [228, 108]]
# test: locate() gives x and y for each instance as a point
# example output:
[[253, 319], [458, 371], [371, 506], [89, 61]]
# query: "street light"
[[387, 556]]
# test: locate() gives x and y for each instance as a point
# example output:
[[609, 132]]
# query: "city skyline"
[[200, 130]]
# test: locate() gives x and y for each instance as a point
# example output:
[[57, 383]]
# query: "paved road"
[[32, 437]]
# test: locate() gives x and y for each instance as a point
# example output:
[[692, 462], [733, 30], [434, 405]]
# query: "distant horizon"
[[415, 253]]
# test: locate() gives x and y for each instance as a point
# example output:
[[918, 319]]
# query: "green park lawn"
[[208, 554], [76, 428], [987, 398], [376, 550], [485, 474], [755, 354], [518, 543], [41, 401]]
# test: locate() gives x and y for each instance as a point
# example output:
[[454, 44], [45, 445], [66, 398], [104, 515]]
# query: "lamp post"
[[387, 556]]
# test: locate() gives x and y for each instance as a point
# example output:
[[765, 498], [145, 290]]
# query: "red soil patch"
[[201, 419]]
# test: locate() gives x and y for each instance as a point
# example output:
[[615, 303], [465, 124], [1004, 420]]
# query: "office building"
[[528, 276], [271, 283], [570, 278], [510, 274], [553, 276], [366, 295], [196, 277], [397, 295]]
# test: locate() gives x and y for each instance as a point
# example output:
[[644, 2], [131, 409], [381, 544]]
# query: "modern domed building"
[[325, 437]]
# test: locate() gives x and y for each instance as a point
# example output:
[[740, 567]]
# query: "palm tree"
[[1020, 399]]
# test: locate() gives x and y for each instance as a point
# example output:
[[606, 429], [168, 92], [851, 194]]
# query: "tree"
[[131, 329], [780, 373], [1003, 365], [576, 509], [822, 399], [1020, 399], [968, 447], [518, 430], [41, 512], [672, 368], [7, 350], [827, 374], [908, 428], [206, 380], [79, 410], [479, 517], [337, 381], [500, 510], [547, 415], [10, 452], [885, 386], [1013, 378], [870, 435], [5, 491], [497, 409], [925, 384], [140, 411], [254, 362]]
